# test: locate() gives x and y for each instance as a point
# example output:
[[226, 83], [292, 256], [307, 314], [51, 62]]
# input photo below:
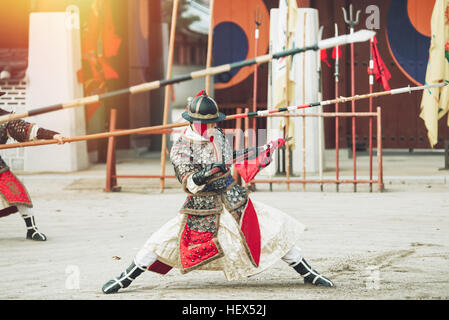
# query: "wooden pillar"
[[168, 91], [156, 71]]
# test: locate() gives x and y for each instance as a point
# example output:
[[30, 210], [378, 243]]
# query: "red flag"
[[111, 42], [380, 70], [248, 169], [334, 52], [98, 45], [324, 57]]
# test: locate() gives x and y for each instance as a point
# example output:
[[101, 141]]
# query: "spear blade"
[[427, 86], [359, 36]]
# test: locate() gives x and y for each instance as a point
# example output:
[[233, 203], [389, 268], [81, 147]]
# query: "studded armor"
[[198, 239], [189, 157]]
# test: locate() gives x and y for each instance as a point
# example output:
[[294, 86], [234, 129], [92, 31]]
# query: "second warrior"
[[13, 194]]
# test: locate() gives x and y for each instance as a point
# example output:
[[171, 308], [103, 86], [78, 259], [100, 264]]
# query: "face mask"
[[202, 128]]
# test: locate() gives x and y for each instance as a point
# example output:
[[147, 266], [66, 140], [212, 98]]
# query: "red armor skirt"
[[13, 192]]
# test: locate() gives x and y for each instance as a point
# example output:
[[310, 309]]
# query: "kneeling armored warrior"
[[219, 227], [15, 197]]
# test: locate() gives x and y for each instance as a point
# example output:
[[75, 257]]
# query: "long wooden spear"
[[210, 38], [337, 120], [360, 36], [260, 113], [167, 95]]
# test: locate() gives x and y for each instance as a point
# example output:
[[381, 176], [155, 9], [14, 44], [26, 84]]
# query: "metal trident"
[[258, 17], [351, 20]]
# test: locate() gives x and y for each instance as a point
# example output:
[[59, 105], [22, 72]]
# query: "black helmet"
[[203, 109]]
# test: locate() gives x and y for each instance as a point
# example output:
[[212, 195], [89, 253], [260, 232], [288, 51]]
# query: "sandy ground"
[[391, 245]]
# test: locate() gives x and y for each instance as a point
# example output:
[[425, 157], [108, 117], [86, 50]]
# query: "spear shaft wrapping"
[[260, 113], [360, 36]]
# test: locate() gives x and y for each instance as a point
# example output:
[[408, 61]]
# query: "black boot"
[[33, 233], [124, 280], [310, 275]]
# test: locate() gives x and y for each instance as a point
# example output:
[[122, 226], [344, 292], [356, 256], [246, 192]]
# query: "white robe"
[[279, 233]]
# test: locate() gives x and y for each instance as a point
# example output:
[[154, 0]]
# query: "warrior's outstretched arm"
[[23, 131]]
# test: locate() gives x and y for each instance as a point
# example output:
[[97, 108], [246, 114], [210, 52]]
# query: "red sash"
[[251, 232]]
